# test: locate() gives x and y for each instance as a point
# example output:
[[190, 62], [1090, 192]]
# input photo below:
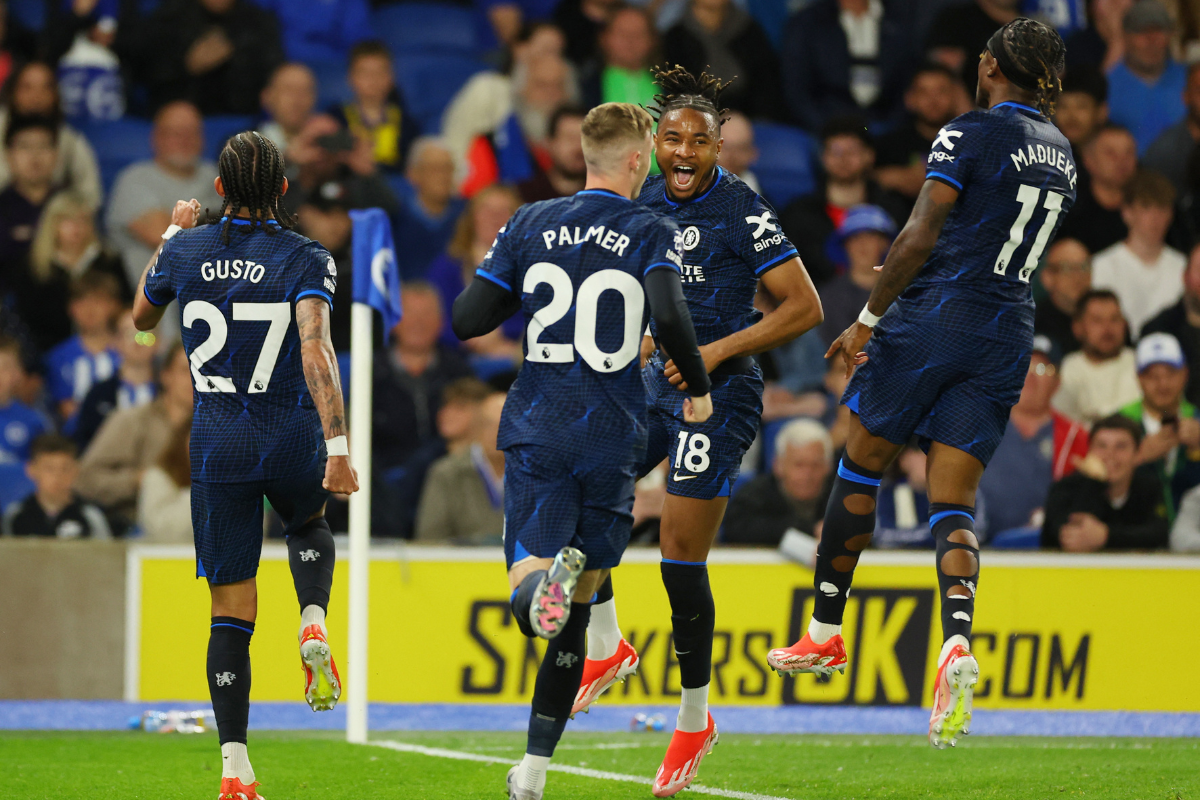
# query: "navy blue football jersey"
[[254, 418], [578, 263], [1016, 178], [731, 238]]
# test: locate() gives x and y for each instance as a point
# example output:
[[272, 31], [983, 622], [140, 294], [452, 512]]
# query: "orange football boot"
[[322, 684], [234, 789], [682, 760], [952, 696], [808, 656], [600, 676]]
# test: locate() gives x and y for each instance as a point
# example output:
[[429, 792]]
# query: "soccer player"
[[942, 347], [583, 269], [254, 300], [731, 241]]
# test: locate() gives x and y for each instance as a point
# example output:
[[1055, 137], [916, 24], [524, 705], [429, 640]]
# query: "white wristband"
[[337, 446], [171, 231], [865, 317]]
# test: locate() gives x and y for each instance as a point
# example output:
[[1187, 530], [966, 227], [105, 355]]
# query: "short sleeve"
[[500, 264], [318, 274], [159, 289], [953, 154], [666, 247], [757, 237]]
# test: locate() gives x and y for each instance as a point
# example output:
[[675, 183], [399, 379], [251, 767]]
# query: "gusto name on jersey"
[[1044, 154], [609, 240], [236, 269]]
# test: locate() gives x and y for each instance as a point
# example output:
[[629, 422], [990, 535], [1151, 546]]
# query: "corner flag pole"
[[361, 325]]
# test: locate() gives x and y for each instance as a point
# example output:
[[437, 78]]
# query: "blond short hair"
[[610, 130]]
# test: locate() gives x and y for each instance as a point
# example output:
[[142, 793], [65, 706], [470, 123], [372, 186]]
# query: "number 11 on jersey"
[[1028, 197]]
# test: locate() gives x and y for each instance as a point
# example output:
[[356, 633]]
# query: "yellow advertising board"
[[1051, 632]]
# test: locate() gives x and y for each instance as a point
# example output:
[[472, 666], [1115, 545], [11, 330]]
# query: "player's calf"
[[228, 668], [311, 556], [953, 529]]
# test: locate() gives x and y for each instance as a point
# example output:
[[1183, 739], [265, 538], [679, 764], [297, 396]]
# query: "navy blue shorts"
[[956, 390], [706, 459], [227, 520], [554, 499]]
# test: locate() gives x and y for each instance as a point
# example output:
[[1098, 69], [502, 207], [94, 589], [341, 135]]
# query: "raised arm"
[[904, 260], [325, 386], [146, 314]]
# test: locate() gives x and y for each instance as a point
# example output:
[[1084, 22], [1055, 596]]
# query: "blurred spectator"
[[429, 208], [328, 222], [792, 495], [1146, 88], [463, 498], [459, 415], [131, 441], [508, 18], [165, 500], [33, 92], [1171, 442], [1170, 152], [81, 38], [88, 357], [1144, 273], [866, 233], [847, 158], [1182, 321], [376, 113], [1101, 44], [931, 102], [902, 510], [627, 46], [567, 172], [1108, 503], [218, 54], [328, 162], [410, 377], [583, 23], [20, 423], [1066, 275], [1040, 446], [288, 99], [54, 509], [739, 153], [485, 215], [1109, 162], [29, 150], [846, 57], [1101, 377], [65, 246], [719, 38], [132, 385], [324, 31], [960, 32], [1082, 106], [17, 43], [144, 194]]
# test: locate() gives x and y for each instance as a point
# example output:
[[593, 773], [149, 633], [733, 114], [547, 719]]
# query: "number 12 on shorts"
[[692, 452]]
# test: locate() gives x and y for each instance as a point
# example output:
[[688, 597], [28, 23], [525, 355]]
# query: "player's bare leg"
[[311, 556], [561, 668], [689, 527], [953, 477], [849, 525], [234, 610]]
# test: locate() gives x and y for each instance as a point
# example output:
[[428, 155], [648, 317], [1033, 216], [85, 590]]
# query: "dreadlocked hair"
[[682, 89], [251, 169], [1039, 52]]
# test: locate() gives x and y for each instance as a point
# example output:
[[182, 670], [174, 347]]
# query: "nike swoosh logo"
[[679, 477]]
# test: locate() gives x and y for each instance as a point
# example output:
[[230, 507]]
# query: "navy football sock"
[[229, 676], [693, 617], [953, 529], [849, 524], [521, 601], [557, 683], [311, 555]]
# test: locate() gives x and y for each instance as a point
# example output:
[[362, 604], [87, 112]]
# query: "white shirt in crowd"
[[1143, 289], [1093, 390]]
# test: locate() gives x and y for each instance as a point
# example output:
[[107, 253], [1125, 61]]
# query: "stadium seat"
[[785, 162], [332, 89], [1017, 539], [31, 13], [14, 484], [118, 143], [429, 82], [409, 28], [218, 129]]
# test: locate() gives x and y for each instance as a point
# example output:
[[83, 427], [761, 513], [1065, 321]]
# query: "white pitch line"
[[459, 755]]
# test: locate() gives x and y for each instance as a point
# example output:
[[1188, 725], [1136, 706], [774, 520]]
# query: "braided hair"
[[682, 89], [1031, 55], [251, 169]]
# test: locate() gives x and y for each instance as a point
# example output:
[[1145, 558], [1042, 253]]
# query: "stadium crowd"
[[449, 116]]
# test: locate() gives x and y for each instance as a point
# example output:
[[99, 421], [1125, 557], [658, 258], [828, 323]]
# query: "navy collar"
[[243, 221], [694, 200], [608, 192], [1017, 105]]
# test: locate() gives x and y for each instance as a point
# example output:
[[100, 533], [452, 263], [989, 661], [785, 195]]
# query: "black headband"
[[1010, 68]]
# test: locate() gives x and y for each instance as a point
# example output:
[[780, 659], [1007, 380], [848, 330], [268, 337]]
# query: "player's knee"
[[960, 563], [963, 536], [238, 600], [859, 504], [856, 544]]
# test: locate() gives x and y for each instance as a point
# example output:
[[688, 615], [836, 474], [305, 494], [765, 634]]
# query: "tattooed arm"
[[325, 386], [904, 260]]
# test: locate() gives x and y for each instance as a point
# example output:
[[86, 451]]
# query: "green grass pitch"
[[294, 766]]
